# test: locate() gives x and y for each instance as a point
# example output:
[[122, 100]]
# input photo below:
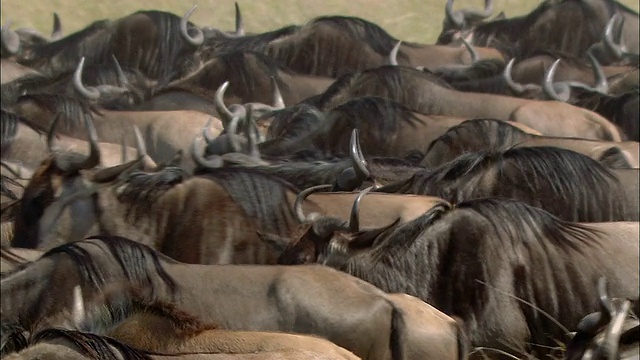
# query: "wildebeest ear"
[[365, 239], [500, 16], [615, 158], [277, 242]]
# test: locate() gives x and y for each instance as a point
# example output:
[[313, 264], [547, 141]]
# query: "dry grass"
[[410, 20]]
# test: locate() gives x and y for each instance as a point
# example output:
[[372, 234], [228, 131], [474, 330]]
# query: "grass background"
[[409, 20]]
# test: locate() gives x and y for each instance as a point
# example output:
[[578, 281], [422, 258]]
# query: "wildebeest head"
[[249, 110], [605, 334], [568, 26], [559, 91], [322, 236], [463, 19], [56, 177], [21, 40], [100, 92]]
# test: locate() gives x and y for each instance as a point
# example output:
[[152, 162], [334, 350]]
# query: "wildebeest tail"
[[463, 339], [398, 334]]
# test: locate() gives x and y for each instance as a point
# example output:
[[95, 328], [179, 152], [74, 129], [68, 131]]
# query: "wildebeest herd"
[[324, 190]]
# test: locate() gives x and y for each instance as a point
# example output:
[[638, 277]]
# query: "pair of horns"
[[100, 91], [560, 91], [459, 18], [198, 38]]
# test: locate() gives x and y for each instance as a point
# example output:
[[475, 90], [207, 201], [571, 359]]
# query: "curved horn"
[[90, 161], [122, 79], [474, 55], [354, 222], [225, 114], [474, 14], [239, 22], [549, 88], [141, 146], [10, 39], [93, 159], [196, 40], [611, 342], [90, 93], [455, 18], [77, 312], [602, 85], [393, 55], [606, 307], [357, 159], [233, 127], [56, 33], [506, 75], [278, 101], [253, 147], [197, 153], [250, 129], [297, 205]]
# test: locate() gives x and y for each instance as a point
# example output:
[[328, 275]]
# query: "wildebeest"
[[248, 74], [370, 325], [356, 44], [27, 142], [479, 259], [568, 26], [426, 93], [146, 40], [485, 134], [149, 207], [546, 177], [164, 132]]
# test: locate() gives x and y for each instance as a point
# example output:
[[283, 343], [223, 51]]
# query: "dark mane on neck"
[[521, 224], [134, 260], [73, 108], [598, 196], [263, 197], [361, 30], [141, 190]]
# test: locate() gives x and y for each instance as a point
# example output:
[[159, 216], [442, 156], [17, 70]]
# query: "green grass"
[[409, 20]]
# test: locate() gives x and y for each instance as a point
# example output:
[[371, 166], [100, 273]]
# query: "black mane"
[[540, 176], [261, 196], [476, 135], [133, 258], [73, 108], [468, 251], [407, 86], [362, 30], [140, 190]]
